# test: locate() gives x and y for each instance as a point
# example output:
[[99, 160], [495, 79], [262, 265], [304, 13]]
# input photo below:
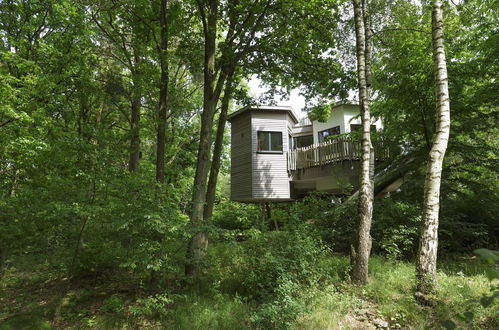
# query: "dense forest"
[[115, 204]]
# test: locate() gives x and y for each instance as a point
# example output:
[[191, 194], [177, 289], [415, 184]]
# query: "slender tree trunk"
[[3, 259], [426, 266], [362, 247], [368, 55], [199, 242], [133, 163], [163, 94], [136, 102], [217, 151]]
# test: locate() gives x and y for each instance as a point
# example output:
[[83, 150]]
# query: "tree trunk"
[[217, 152], [136, 96], [163, 94], [199, 242], [133, 164], [3, 260], [362, 248], [426, 266]]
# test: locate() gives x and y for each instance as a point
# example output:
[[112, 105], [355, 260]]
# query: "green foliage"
[[487, 300], [396, 229], [403, 80], [320, 112], [154, 305], [106, 246], [275, 269], [112, 304], [328, 217], [281, 309], [236, 217], [279, 256]]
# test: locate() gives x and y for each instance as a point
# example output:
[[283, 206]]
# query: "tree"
[[125, 35], [362, 248], [404, 80], [218, 147], [426, 267], [163, 93], [240, 39]]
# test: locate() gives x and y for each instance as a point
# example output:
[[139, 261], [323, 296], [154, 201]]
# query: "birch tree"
[[426, 266], [362, 245]]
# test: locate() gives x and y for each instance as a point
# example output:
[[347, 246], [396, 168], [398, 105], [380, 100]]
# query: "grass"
[[41, 300], [390, 288]]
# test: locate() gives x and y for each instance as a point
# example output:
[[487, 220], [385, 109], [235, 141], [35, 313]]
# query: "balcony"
[[335, 150]]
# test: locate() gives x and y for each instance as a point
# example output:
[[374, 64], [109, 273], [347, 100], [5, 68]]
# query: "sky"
[[295, 101]]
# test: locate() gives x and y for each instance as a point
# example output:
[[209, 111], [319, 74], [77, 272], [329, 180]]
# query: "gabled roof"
[[287, 109]]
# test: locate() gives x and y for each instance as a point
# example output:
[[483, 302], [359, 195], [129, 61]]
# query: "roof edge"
[[264, 107]]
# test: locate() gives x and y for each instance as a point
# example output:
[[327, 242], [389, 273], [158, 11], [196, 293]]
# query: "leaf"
[[485, 301], [469, 316], [490, 256], [449, 324], [492, 273]]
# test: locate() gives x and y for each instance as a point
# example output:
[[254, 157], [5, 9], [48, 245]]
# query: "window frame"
[[295, 140], [269, 151], [322, 138], [359, 127]]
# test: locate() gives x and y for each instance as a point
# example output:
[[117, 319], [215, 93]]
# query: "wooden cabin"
[[259, 146], [277, 157]]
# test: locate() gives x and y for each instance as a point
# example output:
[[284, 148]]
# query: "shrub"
[[396, 228], [275, 269]]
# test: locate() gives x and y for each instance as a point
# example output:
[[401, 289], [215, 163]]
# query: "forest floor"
[[42, 300]]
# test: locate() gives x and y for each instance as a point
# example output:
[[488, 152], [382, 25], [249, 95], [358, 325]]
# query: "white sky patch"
[[295, 100]]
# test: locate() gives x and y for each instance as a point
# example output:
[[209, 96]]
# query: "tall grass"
[[232, 295]]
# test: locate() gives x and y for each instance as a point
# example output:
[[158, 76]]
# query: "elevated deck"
[[332, 151], [331, 166]]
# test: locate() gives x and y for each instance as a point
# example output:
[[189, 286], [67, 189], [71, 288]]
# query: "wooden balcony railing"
[[335, 150]]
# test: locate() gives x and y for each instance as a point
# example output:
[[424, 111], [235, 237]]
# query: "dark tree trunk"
[[199, 242], [362, 244], [3, 259], [218, 149], [136, 101], [163, 94], [426, 265], [133, 164]]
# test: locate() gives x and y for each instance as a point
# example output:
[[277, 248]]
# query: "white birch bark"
[[362, 248], [426, 267]]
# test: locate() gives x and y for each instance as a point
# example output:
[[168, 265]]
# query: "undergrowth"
[[273, 281]]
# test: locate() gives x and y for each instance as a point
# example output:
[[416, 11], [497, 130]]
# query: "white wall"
[[269, 171], [342, 115], [351, 116], [336, 119]]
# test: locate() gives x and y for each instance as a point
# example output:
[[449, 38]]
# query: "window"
[[358, 127], [269, 141], [303, 141], [323, 135]]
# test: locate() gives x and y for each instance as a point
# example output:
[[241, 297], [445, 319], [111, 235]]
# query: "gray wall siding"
[[269, 171], [241, 157]]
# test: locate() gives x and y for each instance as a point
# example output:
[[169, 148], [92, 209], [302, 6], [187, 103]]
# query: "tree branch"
[[8, 121]]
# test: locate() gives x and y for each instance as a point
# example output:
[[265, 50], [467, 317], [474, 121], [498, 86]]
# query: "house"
[[275, 156]]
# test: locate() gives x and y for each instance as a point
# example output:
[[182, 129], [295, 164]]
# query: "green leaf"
[[486, 301], [468, 315], [449, 324], [490, 256], [492, 273]]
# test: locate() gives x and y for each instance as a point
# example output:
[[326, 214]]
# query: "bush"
[[396, 228], [274, 269], [328, 217]]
